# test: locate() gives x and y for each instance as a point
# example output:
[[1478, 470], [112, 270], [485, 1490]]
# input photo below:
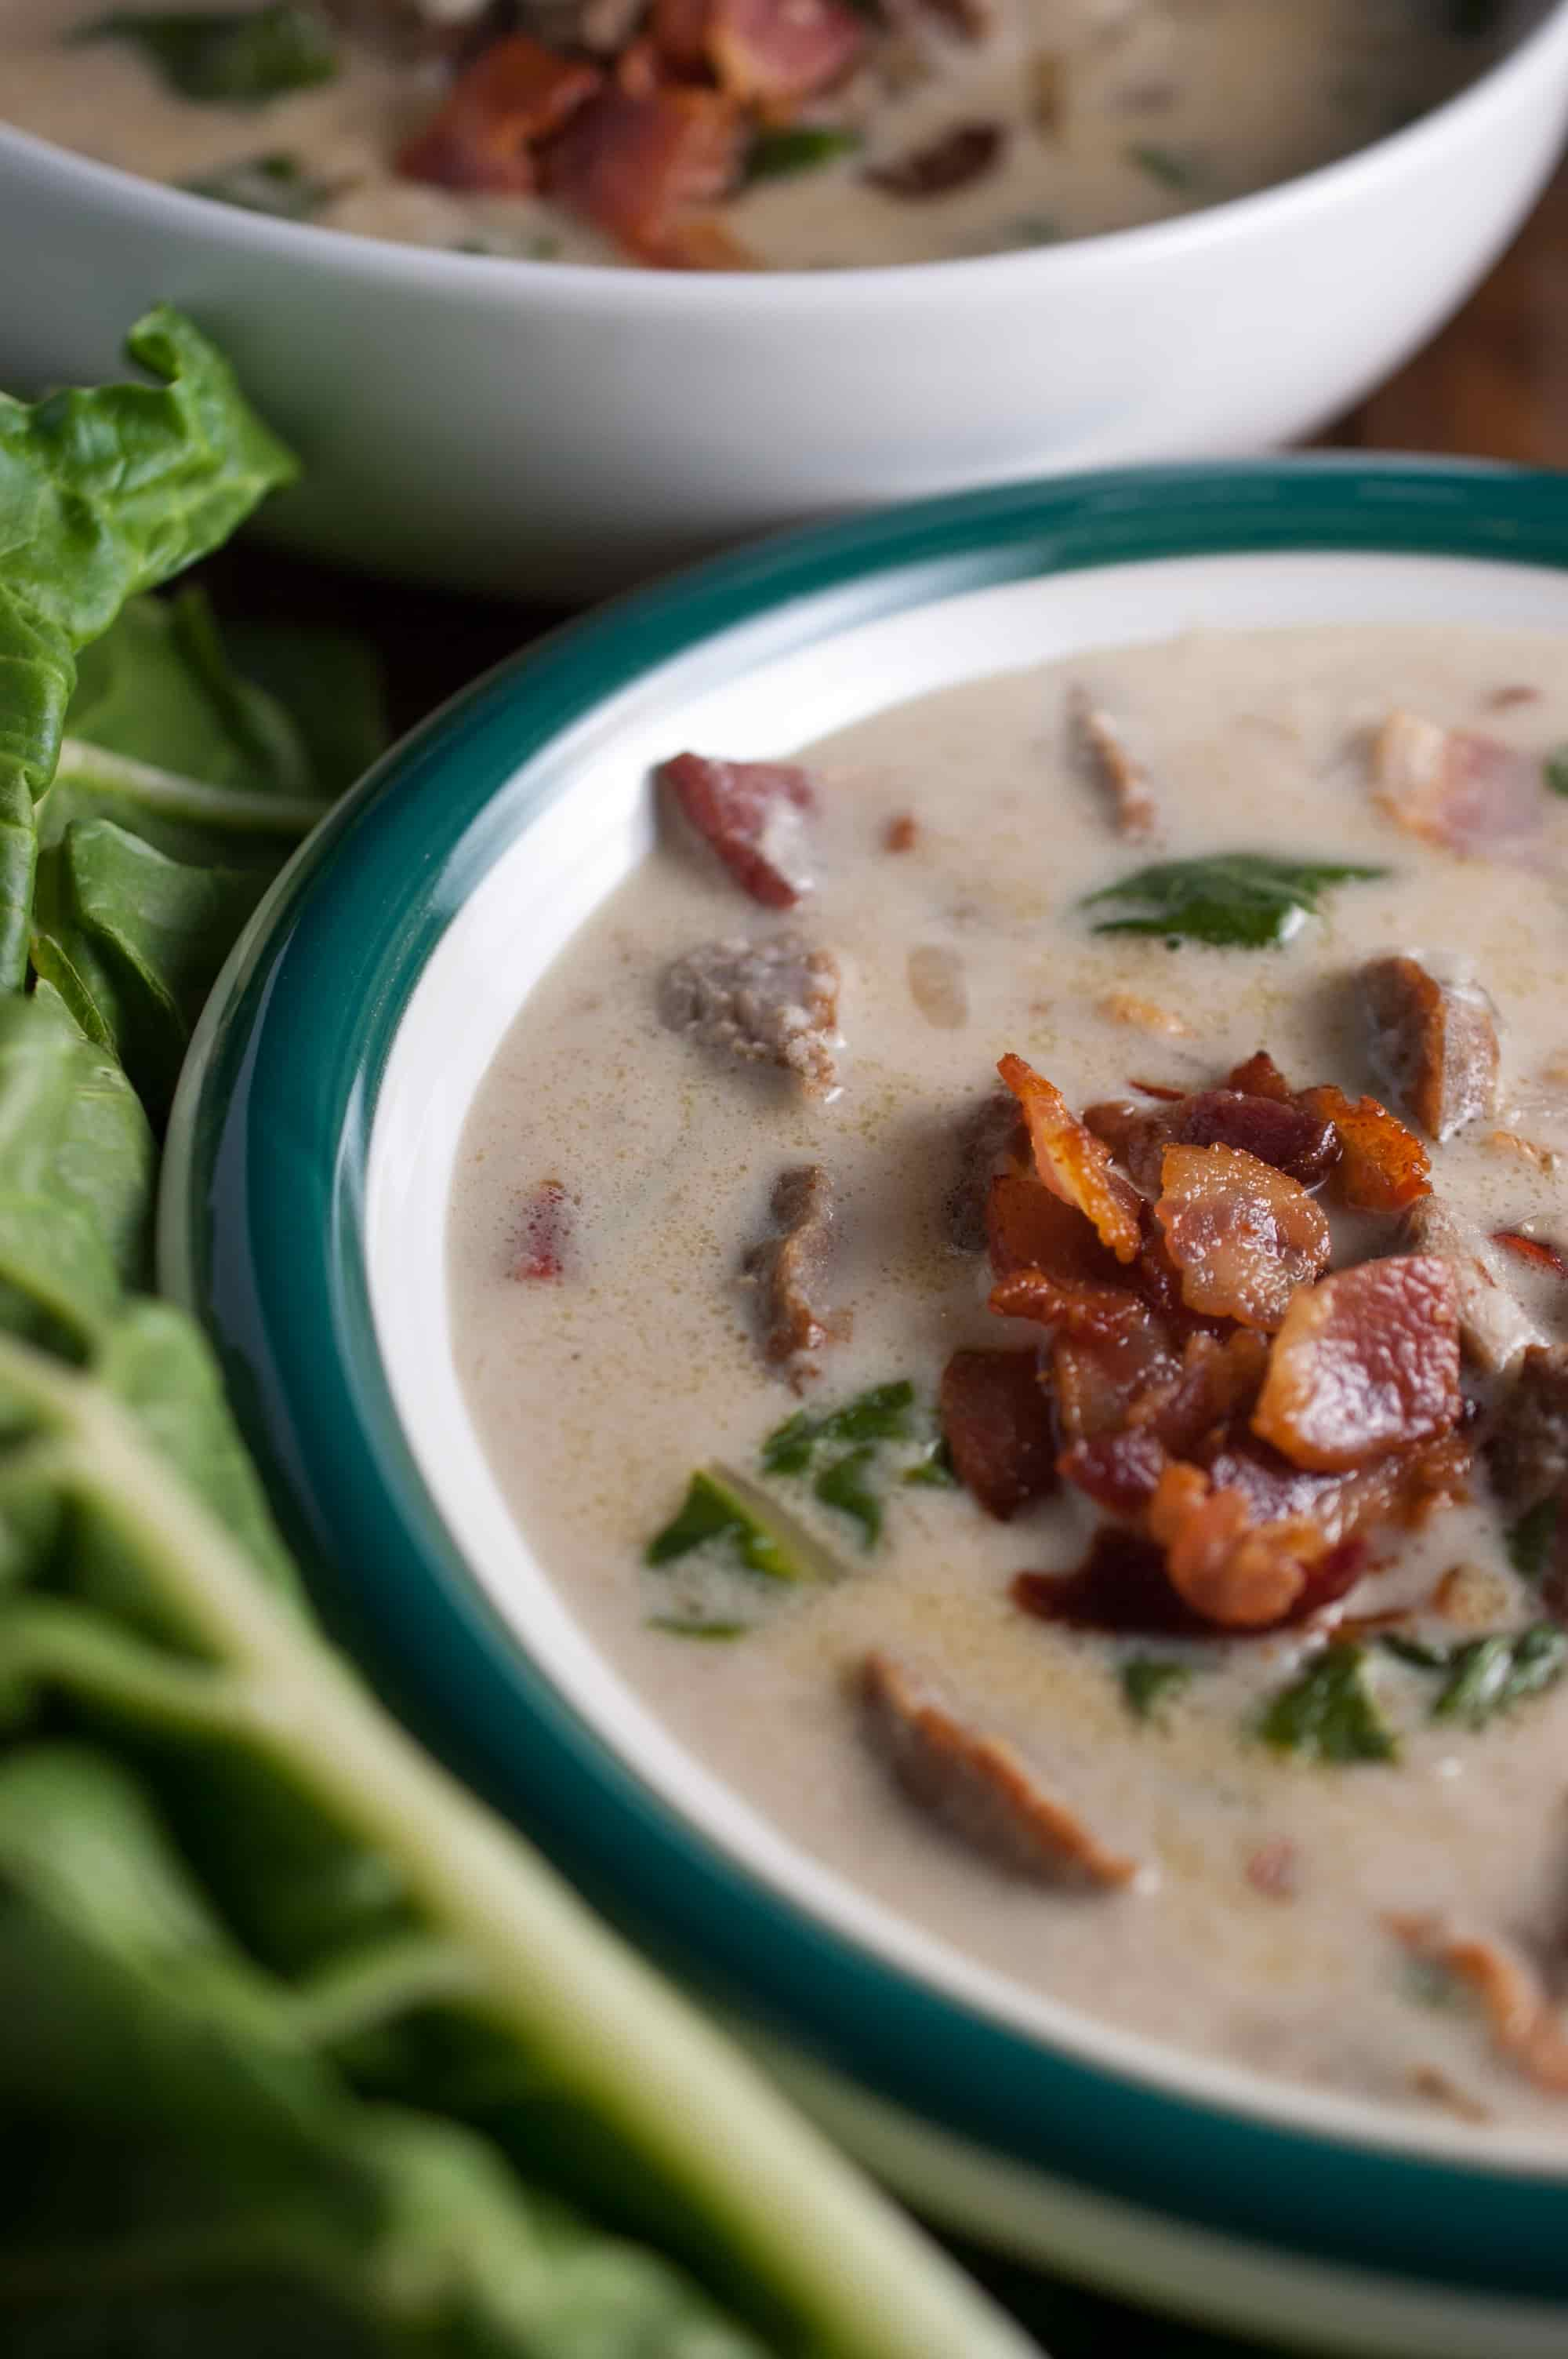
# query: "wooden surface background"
[[1494, 384]]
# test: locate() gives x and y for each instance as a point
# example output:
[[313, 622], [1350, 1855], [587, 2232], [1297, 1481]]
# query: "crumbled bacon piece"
[[1260, 1077], [762, 52], [1098, 1372], [1153, 1090], [1119, 775], [1146, 1015], [1274, 1869], [1134, 1133], [1075, 1164], [1120, 1587], [1117, 1467], [976, 1786], [1244, 1235], [1365, 1362], [1472, 795], [1525, 2026], [1227, 1568], [749, 812], [996, 1418], [484, 135], [1436, 1043], [1279, 1132], [1383, 1165], [950, 161], [901, 834], [991, 1135], [1494, 1327], [630, 162], [787, 1271], [1534, 1250], [768, 1003], [545, 1232], [1027, 1227], [1216, 1385]]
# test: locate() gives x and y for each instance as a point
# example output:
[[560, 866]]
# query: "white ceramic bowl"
[[556, 430]]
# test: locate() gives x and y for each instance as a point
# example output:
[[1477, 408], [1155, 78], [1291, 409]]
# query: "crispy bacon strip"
[[762, 52], [1472, 795], [1533, 1250], [749, 812], [1027, 1227], [978, 1786], [996, 1419], [1383, 1165], [1260, 1077], [1365, 1362], [1526, 2028], [630, 162], [1075, 1164], [1122, 1586], [1243, 1236], [1436, 1043], [545, 1232], [1276, 1131], [1226, 1567], [484, 135], [1116, 770]]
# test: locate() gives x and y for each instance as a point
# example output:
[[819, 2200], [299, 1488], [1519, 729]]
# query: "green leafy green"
[[1150, 1681], [722, 1507], [843, 1486], [1328, 1713], [238, 57], [1243, 900], [936, 1469], [1417, 1652], [275, 184], [883, 1413], [675, 1625], [797, 148], [1487, 1676], [1163, 164], [1531, 1541], [1554, 770], [102, 495]]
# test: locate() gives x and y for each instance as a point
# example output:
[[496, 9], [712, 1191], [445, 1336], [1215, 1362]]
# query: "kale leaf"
[[1150, 1681], [883, 1413], [1242, 900], [237, 58], [1328, 1713]]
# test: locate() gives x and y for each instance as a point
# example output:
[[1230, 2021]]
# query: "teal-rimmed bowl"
[[303, 1191]]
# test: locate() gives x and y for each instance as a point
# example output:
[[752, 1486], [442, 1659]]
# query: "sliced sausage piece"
[[787, 1270], [1495, 1329], [1120, 777], [1527, 1449], [991, 1135], [1435, 1044], [1367, 1362], [769, 1003], [751, 813], [996, 1419], [1472, 795], [978, 1786]]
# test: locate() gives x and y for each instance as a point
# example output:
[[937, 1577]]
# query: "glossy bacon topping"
[[1365, 1362], [749, 812], [484, 135], [1382, 1166], [1243, 1236], [761, 51], [629, 162], [996, 1419], [545, 1232], [1072, 1163]]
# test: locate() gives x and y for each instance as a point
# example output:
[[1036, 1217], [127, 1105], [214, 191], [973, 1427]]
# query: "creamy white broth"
[[596, 1397], [1160, 106]]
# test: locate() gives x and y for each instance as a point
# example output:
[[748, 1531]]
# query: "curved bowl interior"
[[304, 1212]]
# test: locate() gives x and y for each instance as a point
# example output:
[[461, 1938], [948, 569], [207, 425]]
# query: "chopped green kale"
[[710, 1511], [1531, 1539], [1173, 171], [1555, 770], [1240, 900], [880, 1414], [674, 1626], [1487, 1676], [936, 1469], [1150, 1681], [1329, 1712], [843, 1485], [238, 60], [795, 148], [262, 184]]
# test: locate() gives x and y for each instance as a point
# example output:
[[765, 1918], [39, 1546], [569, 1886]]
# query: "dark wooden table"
[[1494, 384]]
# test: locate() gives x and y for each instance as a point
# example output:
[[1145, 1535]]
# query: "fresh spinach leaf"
[[1244, 900], [883, 1413], [1417, 1652], [1328, 1713], [238, 57], [104, 494], [1555, 769], [843, 1486], [719, 1508], [1150, 1681], [675, 1625], [1487, 1676], [1531, 1540], [797, 148], [1172, 170], [936, 1469], [274, 184]]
